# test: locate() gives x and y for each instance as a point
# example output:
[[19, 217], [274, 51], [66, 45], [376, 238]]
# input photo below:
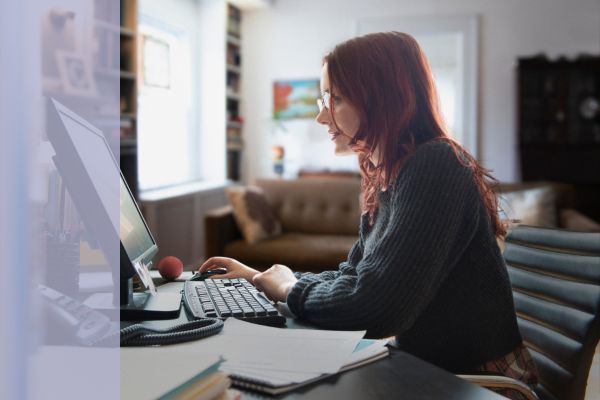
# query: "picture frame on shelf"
[[293, 99], [76, 74], [156, 62]]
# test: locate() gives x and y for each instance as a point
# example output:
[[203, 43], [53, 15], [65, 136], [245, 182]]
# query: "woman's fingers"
[[276, 282], [214, 262], [257, 280], [228, 275]]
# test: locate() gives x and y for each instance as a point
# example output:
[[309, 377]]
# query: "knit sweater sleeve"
[[433, 216], [347, 267]]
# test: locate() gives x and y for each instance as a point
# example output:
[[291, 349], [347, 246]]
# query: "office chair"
[[555, 277]]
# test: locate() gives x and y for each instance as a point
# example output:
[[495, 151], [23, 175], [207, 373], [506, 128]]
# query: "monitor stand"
[[146, 306]]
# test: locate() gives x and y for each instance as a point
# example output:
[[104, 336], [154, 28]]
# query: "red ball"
[[170, 267]]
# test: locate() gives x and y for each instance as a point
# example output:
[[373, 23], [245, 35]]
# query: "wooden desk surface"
[[400, 375]]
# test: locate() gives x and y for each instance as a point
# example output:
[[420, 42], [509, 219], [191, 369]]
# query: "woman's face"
[[346, 117]]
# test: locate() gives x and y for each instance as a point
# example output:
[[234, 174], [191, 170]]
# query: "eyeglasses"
[[325, 100]]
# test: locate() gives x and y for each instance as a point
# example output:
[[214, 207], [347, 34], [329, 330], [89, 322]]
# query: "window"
[[168, 126]]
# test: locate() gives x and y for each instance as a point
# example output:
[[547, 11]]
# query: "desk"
[[401, 375]]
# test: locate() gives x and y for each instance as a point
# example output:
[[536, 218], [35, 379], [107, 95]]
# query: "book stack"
[[162, 373]]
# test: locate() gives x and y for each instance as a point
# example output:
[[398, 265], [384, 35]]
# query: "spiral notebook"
[[277, 381]]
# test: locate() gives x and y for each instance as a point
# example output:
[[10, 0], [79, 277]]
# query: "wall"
[[175, 217], [288, 40]]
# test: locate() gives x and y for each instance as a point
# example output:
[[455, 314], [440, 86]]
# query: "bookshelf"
[[234, 120], [559, 124], [128, 77], [115, 58]]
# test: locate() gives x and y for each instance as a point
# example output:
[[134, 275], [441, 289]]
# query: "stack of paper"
[[276, 360], [276, 382]]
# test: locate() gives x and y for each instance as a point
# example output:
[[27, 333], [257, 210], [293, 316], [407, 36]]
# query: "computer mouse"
[[200, 276]]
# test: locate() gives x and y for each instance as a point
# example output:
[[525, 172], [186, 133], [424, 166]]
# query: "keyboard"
[[223, 298]]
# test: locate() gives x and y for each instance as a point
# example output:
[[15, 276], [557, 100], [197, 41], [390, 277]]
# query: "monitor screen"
[[134, 233], [93, 178], [98, 162]]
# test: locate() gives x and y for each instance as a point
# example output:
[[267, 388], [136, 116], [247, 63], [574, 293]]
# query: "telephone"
[[71, 321]]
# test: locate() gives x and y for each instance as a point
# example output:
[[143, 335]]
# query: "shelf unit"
[[128, 76], [559, 124], [234, 123]]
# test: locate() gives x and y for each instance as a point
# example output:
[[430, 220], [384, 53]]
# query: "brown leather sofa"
[[320, 220]]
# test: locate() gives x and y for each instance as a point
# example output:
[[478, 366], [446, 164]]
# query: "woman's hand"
[[276, 282], [235, 269]]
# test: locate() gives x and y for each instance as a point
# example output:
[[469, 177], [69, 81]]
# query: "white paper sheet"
[[291, 350], [368, 349]]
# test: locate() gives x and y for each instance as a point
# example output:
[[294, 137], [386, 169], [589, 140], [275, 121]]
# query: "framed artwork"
[[75, 74], [295, 99], [156, 62]]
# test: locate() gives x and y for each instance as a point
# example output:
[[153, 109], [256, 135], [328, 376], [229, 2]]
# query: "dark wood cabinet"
[[559, 124]]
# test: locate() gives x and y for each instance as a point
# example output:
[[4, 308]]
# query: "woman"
[[426, 267]]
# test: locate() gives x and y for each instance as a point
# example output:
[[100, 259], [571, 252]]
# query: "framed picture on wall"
[[156, 62], [295, 99], [75, 74]]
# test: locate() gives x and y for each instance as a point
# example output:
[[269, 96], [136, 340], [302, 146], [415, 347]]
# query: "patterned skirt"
[[519, 365]]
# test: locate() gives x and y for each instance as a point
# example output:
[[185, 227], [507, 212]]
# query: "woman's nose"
[[323, 116]]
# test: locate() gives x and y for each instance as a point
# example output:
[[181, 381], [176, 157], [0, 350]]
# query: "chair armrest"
[[220, 229], [500, 382]]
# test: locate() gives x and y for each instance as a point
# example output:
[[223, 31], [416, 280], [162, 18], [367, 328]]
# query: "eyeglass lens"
[[323, 101]]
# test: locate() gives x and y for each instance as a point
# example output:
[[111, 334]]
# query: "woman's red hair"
[[387, 79]]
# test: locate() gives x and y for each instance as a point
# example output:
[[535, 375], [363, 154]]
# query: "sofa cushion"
[[301, 252], [315, 205], [252, 213], [536, 206]]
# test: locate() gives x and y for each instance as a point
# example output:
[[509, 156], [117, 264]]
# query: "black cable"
[[140, 335]]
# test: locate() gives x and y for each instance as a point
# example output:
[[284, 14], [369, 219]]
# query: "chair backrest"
[[555, 276]]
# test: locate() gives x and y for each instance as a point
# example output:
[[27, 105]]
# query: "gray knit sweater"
[[429, 271]]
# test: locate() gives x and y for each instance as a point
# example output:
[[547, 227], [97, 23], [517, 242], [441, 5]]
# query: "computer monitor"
[[93, 178], [138, 245]]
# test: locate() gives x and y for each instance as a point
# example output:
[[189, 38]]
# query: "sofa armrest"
[[576, 221], [220, 228]]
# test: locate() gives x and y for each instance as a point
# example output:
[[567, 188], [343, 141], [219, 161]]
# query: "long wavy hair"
[[387, 79]]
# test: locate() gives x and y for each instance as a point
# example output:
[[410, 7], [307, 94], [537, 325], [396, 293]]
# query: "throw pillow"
[[530, 206], [253, 214]]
